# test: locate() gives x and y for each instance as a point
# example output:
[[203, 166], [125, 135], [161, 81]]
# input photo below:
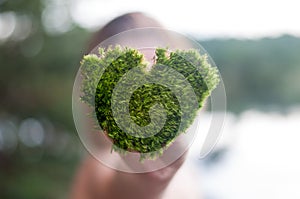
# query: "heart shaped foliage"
[[140, 109]]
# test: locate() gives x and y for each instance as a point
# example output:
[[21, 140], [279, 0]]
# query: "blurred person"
[[94, 180]]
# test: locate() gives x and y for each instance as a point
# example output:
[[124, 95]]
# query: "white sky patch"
[[213, 18]]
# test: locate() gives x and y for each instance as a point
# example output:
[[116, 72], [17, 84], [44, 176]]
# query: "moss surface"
[[102, 73]]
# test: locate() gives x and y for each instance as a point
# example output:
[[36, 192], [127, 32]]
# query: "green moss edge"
[[184, 61]]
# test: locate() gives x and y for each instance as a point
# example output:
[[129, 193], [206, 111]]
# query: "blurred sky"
[[210, 18], [202, 19]]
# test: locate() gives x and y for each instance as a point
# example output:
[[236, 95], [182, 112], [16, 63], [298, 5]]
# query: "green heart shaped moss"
[[102, 73]]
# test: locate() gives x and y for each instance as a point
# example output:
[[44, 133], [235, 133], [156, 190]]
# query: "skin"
[[95, 180]]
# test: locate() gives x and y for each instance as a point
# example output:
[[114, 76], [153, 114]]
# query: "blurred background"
[[255, 44]]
